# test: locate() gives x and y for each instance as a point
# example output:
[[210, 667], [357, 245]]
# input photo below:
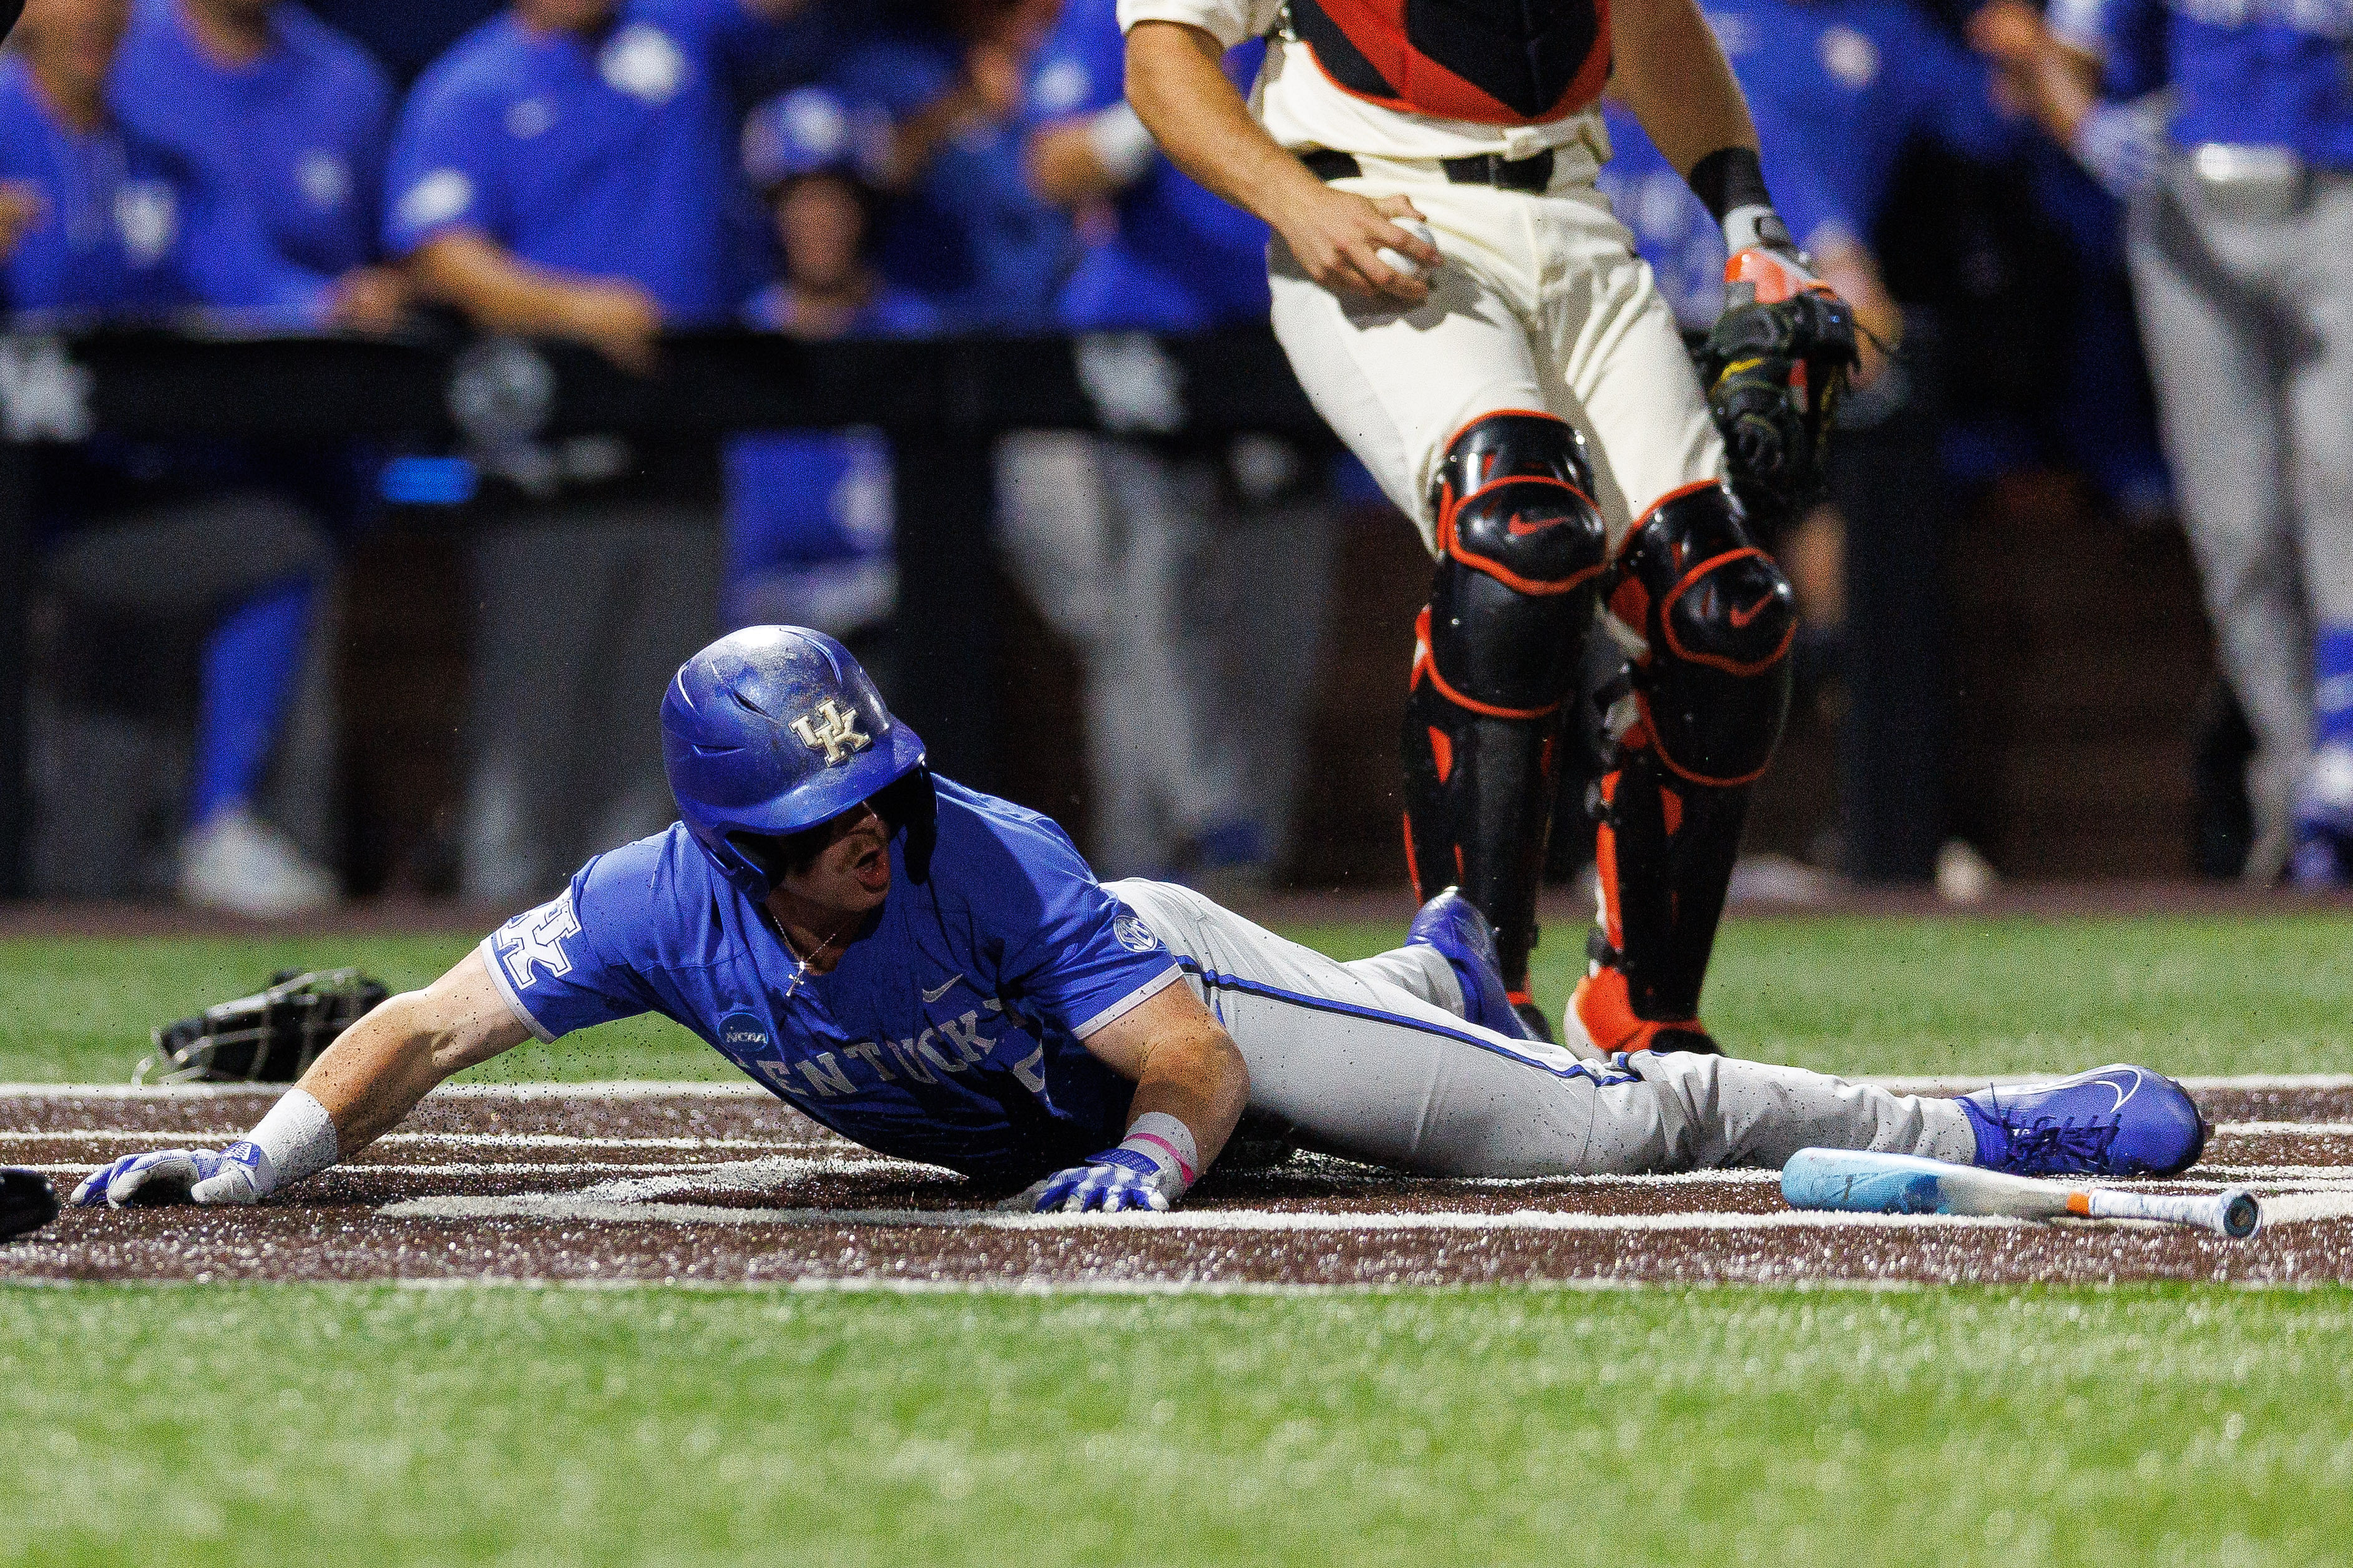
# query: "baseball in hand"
[[1398, 261]]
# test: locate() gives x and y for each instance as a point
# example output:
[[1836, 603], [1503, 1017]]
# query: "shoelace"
[[2053, 1147]]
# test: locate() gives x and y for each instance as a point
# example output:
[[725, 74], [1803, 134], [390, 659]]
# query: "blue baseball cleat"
[[1453, 925], [2111, 1122]]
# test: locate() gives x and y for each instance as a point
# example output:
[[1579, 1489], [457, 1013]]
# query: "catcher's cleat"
[[1453, 925], [2111, 1122], [26, 1202], [1604, 1008], [1532, 1018]]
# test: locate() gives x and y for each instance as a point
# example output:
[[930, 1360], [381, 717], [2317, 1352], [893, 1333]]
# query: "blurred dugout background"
[[266, 679]]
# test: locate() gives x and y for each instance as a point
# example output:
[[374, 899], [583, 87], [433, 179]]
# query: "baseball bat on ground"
[[1859, 1182]]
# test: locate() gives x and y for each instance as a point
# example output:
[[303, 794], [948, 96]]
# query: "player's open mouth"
[[872, 870]]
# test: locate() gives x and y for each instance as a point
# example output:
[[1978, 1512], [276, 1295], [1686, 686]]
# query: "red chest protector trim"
[[1496, 62]]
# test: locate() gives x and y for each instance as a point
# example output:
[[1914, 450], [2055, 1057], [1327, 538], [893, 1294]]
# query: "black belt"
[[1532, 174]]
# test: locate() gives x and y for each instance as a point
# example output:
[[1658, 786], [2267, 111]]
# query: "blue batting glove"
[[237, 1174], [1109, 1182]]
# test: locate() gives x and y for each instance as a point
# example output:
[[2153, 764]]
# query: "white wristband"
[[297, 1139], [1122, 145], [1168, 1144], [1749, 228]]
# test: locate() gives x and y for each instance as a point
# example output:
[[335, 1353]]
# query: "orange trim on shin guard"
[[1604, 1006], [1605, 867]]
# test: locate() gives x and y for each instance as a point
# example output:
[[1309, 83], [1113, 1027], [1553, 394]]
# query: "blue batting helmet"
[[772, 730]]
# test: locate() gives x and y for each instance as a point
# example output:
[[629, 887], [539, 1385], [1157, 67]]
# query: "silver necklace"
[[801, 972]]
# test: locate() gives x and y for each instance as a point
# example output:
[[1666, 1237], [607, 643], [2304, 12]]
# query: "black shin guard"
[[1713, 691], [1495, 656]]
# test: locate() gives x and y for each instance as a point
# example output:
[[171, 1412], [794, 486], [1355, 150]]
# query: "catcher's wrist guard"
[[1773, 374], [270, 1036]]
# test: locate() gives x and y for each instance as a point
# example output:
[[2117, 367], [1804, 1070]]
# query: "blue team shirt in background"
[[803, 498], [298, 135], [970, 235], [1672, 227], [949, 1032], [1181, 260], [1849, 82], [611, 155], [122, 230], [2278, 72]]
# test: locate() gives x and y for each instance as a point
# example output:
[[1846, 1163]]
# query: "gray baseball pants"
[[581, 616], [1199, 617], [1373, 1060], [2248, 320]]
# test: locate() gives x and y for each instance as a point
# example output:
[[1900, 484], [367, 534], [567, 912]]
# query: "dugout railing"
[[942, 402]]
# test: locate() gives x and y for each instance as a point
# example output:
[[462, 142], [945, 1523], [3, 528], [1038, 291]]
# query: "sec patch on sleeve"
[[1129, 929]]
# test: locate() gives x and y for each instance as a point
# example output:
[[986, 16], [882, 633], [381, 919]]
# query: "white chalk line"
[[2288, 1209], [516, 1168], [565, 1206], [2285, 1128], [595, 1090], [212, 1137]]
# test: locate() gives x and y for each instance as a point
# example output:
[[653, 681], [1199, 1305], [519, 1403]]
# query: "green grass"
[[374, 1424], [77, 1010], [1848, 994], [1843, 994]]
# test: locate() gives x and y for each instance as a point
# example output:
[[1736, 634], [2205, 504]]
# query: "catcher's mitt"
[[1773, 374], [27, 1202], [269, 1037]]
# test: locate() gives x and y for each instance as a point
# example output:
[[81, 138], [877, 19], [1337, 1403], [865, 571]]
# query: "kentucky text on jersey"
[[949, 1033]]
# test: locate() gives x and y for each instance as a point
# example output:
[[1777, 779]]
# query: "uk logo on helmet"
[[825, 728]]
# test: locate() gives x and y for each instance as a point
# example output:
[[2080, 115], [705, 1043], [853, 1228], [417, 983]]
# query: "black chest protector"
[[1497, 62]]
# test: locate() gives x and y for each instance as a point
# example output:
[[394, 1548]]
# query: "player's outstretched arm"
[[1673, 74], [1191, 1085], [358, 1090], [1181, 93]]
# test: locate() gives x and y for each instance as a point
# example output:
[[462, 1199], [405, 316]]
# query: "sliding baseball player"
[[935, 974]]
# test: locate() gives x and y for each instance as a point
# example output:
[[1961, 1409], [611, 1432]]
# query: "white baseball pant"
[[1541, 305], [1373, 1061]]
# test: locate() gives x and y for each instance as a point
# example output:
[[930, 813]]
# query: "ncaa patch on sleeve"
[[742, 1033]]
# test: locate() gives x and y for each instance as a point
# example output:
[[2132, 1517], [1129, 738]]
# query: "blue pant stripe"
[[1218, 981]]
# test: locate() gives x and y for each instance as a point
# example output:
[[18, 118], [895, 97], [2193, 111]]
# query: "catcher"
[[1465, 312], [935, 974]]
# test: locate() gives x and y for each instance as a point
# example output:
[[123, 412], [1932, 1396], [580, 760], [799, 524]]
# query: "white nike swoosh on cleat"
[[944, 987], [2124, 1094]]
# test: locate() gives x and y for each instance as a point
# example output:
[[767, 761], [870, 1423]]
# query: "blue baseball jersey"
[[122, 231], [1672, 227], [1181, 258], [798, 498], [608, 156], [950, 1032], [2278, 72], [970, 235], [1849, 82], [297, 136]]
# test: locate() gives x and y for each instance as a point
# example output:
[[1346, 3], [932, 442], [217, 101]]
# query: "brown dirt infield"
[[725, 1189]]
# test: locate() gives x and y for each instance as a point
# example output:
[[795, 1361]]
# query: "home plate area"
[[722, 1184]]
